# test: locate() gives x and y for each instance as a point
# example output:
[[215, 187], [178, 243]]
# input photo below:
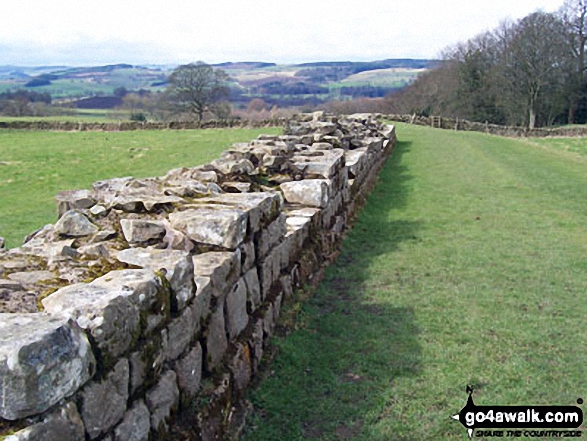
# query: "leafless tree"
[[197, 88]]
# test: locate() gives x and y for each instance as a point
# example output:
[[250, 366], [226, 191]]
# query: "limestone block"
[[146, 364], [222, 267], [136, 424], [216, 342], [270, 236], [75, 224], [230, 166], [257, 344], [223, 227], [269, 269], [145, 290], [178, 266], [64, 424], [181, 331], [204, 293], [163, 400], [104, 402], [261, 207], [74, 199], [310, 192], [320, 162], [106, 190], [248, 256], [356, 162], [42, 360], [138, 231], [110, 315], [251, 279], [241, 367], [236, 310], [189, 373]]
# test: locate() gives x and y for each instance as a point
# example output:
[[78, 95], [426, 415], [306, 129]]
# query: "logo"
[[517, 418]]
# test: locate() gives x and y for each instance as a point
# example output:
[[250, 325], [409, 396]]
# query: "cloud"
[[180, 31]]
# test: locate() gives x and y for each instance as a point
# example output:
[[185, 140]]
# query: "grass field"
[[468, 265], [34, 166]]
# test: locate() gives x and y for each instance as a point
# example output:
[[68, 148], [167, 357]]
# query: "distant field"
[[34, 166], [393, 77], [468, 266]]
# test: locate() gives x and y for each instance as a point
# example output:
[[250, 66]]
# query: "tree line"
[[529, 72]]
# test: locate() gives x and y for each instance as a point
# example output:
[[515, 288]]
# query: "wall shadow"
[[350, 347]]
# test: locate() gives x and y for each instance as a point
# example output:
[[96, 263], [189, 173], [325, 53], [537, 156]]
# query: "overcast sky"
[[89, 32]]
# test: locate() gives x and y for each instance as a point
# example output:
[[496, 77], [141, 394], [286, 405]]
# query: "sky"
[[94, 32]]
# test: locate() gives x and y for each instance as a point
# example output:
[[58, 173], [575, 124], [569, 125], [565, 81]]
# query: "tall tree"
[[533, 62], [574, 16], [197, 87]]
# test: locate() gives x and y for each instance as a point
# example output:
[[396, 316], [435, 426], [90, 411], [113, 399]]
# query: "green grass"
[[75, 115], [34, 166], [468, 265], [571, 147]]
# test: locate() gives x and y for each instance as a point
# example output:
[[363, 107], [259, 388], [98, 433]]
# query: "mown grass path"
[[468, 265], [35, 166]]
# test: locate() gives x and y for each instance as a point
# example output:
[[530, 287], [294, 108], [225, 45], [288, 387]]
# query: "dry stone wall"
[[493, 129], [154, 298]]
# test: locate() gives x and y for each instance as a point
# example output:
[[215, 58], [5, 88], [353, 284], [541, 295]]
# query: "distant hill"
[[281, 85]]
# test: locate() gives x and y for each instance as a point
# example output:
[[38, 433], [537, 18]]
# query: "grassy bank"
[[34, 166], [467, 266]]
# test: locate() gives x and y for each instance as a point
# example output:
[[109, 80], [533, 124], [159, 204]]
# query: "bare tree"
[[197, 88], [574, 16]]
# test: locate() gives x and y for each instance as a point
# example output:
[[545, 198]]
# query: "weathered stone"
[[248, 256], [111, 313], [147, 363], [261, 207], [223, 268], [136, 424], [241, 367], [2, 242], [31, 277], [268, 273], [163, 400], [181, 331], [74, 199], [99, 210], [138, 231], [204, 294], [257, 344], [178, 266], [237, 187], [270, 236], [42, 360], [145, 291], [223, 227], [64, 424], [310, 192], [95, 250], [104, 403], [236, 310], [189, 373], [230, 166], [321, 162], [103, 235], [75, 224], [253, 289], [216, 342]]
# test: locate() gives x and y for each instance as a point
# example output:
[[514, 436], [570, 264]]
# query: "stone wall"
[[70, 126], [151, 301], [493, 129]]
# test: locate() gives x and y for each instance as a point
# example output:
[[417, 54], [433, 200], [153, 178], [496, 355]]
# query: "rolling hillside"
[[284, 85]]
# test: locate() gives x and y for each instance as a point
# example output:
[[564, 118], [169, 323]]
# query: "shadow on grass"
[[332, 376]]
